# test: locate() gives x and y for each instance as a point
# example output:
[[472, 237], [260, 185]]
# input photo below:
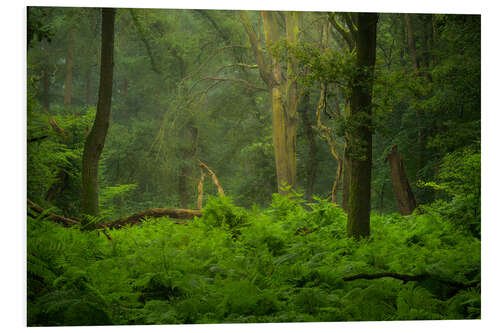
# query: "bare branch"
[[214, 178]]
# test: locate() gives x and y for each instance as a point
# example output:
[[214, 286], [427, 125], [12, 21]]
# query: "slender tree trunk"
[[283, 93], [284, 103], [358, 217], [97, 135], [69, 69], [402, 190]]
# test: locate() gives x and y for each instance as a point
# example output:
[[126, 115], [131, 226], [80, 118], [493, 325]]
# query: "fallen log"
[[176, 213], [67, 222]]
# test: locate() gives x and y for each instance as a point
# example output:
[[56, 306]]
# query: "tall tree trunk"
[[97, 135], [284, 102], [283, 93], [358, 216], [402, 190], [69, 69]]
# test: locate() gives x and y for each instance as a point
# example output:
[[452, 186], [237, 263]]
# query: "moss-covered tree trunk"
[[284, 101], [283, 92], [97, 135], [360, 142]]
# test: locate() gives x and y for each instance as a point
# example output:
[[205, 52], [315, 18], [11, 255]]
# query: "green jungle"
[[221, 166]]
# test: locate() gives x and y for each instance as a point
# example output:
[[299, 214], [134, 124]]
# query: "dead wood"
[[214, 178], [67, 222], [176, 213]]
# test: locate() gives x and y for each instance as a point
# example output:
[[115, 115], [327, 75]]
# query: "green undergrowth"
[[282, 264]]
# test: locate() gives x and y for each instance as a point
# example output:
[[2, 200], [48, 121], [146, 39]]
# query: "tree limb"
[[264, 70], [347, 35], [214, 178]]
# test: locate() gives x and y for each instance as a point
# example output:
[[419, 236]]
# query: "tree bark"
[[360, 145], [94, 142], [283, 94], [402, 190], [284, 103], [69, 69]]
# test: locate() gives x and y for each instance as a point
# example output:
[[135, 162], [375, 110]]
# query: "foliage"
[[460, 180], [284, 263], [188, 88]]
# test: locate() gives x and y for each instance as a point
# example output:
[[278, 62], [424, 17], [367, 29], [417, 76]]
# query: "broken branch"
[[214, 178]]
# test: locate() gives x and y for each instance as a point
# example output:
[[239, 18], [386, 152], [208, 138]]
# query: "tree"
[[283, 91], [359, 144], [402, 190], [97, 135]]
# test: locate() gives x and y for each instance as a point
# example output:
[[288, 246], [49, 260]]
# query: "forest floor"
[[280, 264]]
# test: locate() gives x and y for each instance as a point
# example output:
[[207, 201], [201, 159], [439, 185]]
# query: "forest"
[[229, 166]]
